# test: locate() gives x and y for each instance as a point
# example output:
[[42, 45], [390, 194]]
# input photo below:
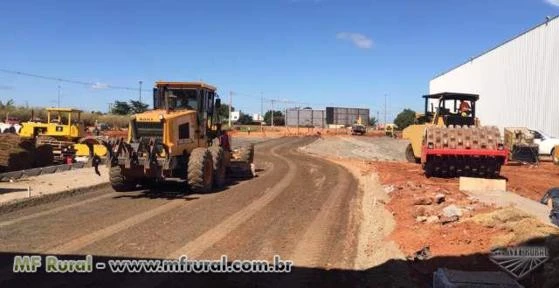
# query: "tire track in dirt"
[[81, 242], [55, 210], [196, 247], [86, 240], [310, 250]]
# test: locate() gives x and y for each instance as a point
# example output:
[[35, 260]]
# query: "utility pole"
[[262, 105], [140, 90], [58, 96], [384, 110], [230, 103], [272, 113]]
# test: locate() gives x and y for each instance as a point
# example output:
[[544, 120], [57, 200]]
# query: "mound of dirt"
[[520, 226], [43, 156], [16, 153]]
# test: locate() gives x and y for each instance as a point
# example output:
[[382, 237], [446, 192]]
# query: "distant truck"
[[358, 129]]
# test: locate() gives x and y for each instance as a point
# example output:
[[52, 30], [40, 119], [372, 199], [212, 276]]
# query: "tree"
[[278, 118], [10, 104], [373, 121], [121, 108], [405, 118], [244, 119], [137, 107], [223, 111]]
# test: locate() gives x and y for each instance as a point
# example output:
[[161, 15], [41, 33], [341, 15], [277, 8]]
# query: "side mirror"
[[217, 103]]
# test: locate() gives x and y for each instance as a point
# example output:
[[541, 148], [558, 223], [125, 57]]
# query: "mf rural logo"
[[519, 261]]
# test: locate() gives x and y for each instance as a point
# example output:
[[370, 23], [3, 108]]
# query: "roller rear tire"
[[410, 156], [555, 156]]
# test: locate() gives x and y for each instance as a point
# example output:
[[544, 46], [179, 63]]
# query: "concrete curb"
[[18, 204]]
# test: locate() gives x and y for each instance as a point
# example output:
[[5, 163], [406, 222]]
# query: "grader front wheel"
[[200, 171], [120, 182]]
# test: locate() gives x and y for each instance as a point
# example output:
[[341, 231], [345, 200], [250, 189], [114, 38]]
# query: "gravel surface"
[[299, 207], [362, 148], [240, 141]]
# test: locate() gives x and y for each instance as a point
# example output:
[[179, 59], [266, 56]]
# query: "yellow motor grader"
[[175, 140], [449, 140]]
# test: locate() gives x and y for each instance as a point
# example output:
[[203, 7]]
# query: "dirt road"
[[299, 207]]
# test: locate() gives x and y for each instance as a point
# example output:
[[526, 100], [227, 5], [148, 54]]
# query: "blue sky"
[[321, 52]]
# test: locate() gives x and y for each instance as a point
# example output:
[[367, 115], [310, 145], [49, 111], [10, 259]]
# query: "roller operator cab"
[[174, 140], [449, 140]]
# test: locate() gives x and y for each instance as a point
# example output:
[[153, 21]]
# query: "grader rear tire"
[[119, 182], [218, 166], [200, 171]]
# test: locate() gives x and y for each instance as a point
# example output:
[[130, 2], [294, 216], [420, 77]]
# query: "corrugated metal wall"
[[518, 82], [306, 118], [346, 116]]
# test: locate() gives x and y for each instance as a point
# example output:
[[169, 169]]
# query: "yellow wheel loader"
[[448, 141], [177, 139]]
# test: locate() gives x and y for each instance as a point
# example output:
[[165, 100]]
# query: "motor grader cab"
[[174, 140], [449, 141]]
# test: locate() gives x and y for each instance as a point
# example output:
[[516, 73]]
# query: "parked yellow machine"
[[389, 130], [449, 141], [174, 140], [555, 155], [62, 129]]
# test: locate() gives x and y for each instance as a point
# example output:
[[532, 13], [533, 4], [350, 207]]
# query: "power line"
[[71, 81]]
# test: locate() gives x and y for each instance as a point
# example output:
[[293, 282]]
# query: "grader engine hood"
[[156, 123]]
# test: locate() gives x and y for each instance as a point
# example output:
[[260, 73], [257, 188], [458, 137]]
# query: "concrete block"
[[11, 175], [480, 184], [62, 167], [33, 172]]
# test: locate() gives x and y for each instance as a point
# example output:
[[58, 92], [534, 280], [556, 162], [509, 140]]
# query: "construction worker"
[[551, 199], [464, 108], [224, 140]]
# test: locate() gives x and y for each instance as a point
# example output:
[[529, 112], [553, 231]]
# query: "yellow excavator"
[[449, 141], [64, 132]]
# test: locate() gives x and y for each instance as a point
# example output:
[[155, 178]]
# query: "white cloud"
[[99, 85], [553, 2], [358, 39]]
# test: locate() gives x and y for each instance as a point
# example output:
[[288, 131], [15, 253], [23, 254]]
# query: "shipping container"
[[346, 116], [306, 118]]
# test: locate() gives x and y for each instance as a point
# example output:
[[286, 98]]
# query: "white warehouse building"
[[518, 81]]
